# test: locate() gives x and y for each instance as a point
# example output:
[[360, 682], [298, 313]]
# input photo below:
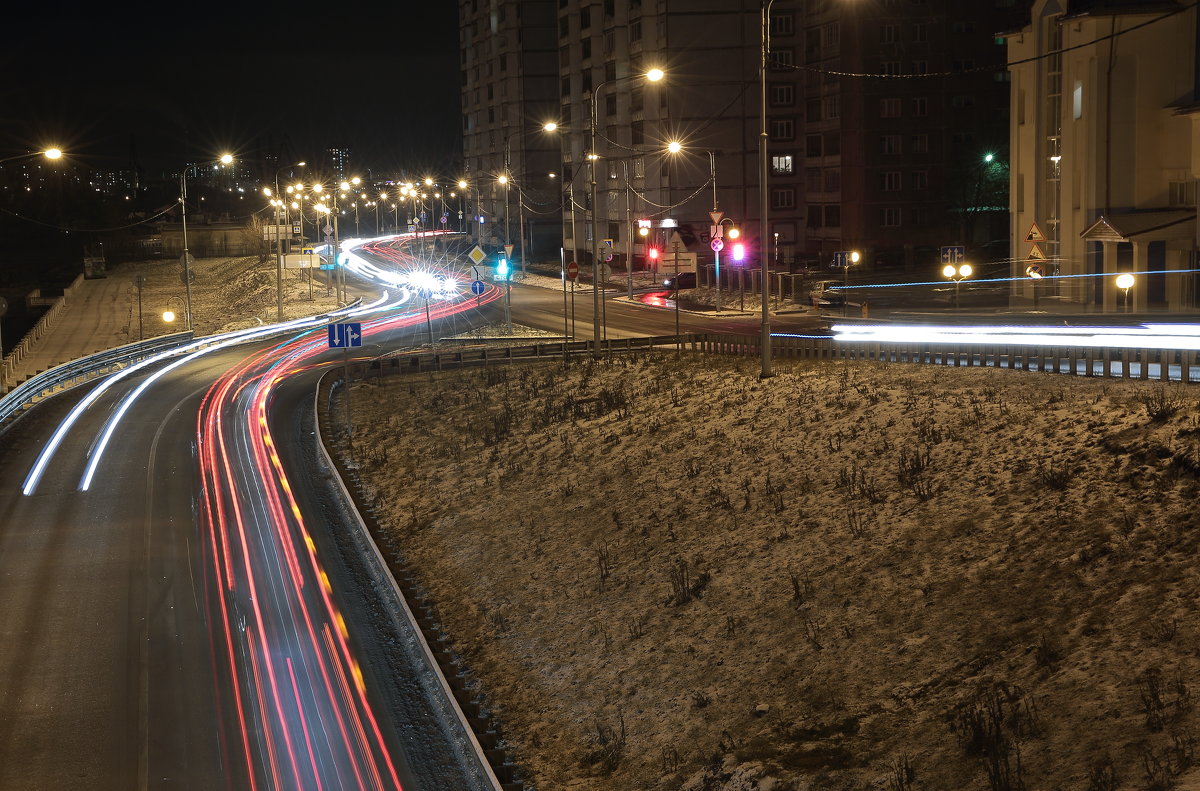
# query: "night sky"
[[182, 82]]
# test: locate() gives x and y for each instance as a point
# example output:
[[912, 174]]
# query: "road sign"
[[572, 270], [187, 259], [1035, 271], [187, 276], [508, 248], [327, 230], [1035, 234], [424, 292], [953, 254], [478, 287], [445, 219], [608, 257], [717, 245], [842, 258], [608, 243], [477, 255], [1036, 254], [717, 216], [345, 334]]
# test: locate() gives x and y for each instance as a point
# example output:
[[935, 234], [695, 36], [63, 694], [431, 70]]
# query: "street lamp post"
[[956, 273], [762, 189], [653, 75], [1125, 282], [675, 147], [187, 256]]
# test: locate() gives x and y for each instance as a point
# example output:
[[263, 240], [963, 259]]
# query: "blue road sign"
[[954, 254], [424, 293], [348, 333], [343, 258], [478, 287]]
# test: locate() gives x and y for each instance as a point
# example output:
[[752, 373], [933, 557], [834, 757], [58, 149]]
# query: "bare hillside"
[[668, 574]]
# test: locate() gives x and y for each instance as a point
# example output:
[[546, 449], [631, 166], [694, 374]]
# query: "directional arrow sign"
[[478, 287], [345, 334]]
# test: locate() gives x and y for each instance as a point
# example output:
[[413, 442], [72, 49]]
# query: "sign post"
[[343, 336]]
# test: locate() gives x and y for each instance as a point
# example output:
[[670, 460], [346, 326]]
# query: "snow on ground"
[[668, 574], [227, 294]]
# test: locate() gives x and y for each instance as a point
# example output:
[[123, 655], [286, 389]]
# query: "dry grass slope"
[[669, 574]]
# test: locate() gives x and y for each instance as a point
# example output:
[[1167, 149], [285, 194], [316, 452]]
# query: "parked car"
[[681, 280], [820, 294]]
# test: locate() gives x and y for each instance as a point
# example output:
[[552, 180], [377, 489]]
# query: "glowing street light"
[[1125, 282], [957, 273]]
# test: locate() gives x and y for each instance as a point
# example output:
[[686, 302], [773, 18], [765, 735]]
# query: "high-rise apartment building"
[[1105, 139], [880, 118], [509, 80]]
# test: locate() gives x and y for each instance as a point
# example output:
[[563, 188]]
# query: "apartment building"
[[880, 117], [1105, 139], [509, 90]]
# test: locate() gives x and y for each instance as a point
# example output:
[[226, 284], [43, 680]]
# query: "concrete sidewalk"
[[96, 316]]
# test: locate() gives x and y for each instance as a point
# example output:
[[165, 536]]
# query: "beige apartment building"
[[1105, 147]]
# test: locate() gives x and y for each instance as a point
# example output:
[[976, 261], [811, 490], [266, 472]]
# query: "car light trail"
[[262, 552], [1134, 336], [296, 702]]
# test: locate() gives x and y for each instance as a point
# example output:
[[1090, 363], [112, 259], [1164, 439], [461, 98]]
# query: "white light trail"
[[1134, 336]]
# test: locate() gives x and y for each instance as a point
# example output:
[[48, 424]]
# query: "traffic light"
[[734, 233], [502, 269], [739, 252], [653, 253]]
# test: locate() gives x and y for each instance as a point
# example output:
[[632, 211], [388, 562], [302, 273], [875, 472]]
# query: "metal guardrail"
[[1179, 365], [83, 370]]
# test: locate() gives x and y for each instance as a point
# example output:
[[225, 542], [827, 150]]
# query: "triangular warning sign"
[[1035, 235], [1036, 254]]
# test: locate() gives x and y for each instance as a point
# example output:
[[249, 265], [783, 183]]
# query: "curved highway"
[[194, 619]]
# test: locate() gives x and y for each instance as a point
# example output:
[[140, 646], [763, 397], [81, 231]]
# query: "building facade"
[[1105, 152], [509, 80], [881, 115]]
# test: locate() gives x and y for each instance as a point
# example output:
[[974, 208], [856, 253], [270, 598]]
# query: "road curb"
[[473, 718]]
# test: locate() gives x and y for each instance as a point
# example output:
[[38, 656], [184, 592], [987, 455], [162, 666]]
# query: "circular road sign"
[[424, 293], [572, 270], [1034, 271], [478, 287], [717, 245]]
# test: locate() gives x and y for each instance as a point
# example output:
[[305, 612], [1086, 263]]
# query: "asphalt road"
[[117, 669]]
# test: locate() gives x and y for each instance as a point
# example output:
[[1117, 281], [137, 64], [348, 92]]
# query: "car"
[[821, 295], [680, 280]]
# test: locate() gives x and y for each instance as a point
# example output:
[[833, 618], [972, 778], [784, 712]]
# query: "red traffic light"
[[739, 252], [653, 252]]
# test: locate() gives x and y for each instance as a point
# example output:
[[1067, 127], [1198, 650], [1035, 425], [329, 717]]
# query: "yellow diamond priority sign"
[[476, 255]]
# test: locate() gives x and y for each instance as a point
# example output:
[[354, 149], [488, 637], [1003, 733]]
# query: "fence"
[[46, 323]]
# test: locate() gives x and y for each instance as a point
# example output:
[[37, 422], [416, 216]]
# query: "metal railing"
[[8, 365], [83, 370], [1179, 365]]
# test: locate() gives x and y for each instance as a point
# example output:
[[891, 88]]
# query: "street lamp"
[[674, 147], [653, 75], [957, 273], [169, 315], [280, 204], [225, 159], [763, 191], [1125, 282]]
